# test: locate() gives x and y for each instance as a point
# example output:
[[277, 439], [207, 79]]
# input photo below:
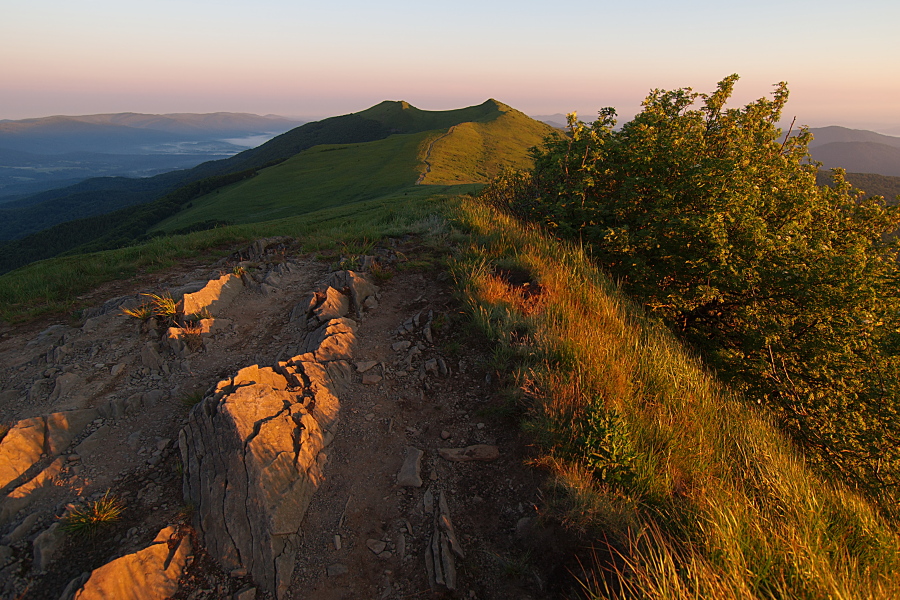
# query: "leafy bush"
[[714, 220]]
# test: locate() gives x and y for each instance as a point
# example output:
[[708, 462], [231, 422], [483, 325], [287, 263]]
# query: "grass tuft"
[[94, 517]]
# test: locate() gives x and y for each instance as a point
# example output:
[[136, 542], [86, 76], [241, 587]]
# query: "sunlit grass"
[[695, 492]]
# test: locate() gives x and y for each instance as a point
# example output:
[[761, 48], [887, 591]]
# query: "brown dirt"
[[492, 504]]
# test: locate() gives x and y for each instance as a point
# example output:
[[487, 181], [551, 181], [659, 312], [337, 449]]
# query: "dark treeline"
[[124, 227]]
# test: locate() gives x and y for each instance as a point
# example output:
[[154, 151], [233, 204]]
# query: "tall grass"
[[696, 493]]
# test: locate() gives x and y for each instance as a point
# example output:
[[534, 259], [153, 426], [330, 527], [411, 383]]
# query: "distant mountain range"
[[557, 120], [131, 133], [51, 152], [390, 148], [856, 150]]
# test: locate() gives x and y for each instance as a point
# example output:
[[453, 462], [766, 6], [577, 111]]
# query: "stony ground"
[[422, 384]]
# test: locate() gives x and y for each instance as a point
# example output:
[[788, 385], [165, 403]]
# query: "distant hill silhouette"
[[856, 150], [859, 157], [129, 133]]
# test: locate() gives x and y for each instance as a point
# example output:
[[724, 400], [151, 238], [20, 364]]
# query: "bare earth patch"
[[419, 385]]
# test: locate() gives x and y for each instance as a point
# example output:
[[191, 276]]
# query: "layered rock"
[[22, 453], [253, 456], [215, 295]]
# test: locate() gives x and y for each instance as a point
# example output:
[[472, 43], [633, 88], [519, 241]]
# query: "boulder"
[[334, 305], [334, 340], [28, 492], [47, 546], [148, 574], [65, 385], [357, 285], [303, 308], [150, 357], [251, 454], [63, 427], [20, 448], [410, 474]]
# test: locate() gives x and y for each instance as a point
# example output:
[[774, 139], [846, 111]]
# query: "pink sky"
[[300, 59]]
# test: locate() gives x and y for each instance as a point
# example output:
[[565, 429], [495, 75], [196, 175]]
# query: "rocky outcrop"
[[23, 449], [253, 455], [215, 295], [149, 574], [355, 285]]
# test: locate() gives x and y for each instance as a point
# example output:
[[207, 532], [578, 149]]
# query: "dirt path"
[[428, 155], [434, 392]]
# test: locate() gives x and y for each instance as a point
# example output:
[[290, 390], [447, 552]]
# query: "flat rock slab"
[[20, 448], [149, 574], [481, 452], [410, 474]]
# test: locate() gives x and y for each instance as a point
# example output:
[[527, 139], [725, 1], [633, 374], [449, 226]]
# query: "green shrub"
[[715, 222]]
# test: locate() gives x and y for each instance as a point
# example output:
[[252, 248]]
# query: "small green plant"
[[201, 315], [239, 270], [164, 306], [142, 312], [379, 272], [192, 399], [89, 520]]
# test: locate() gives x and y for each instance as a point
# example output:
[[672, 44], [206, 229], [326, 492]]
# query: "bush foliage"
[[712, 218]]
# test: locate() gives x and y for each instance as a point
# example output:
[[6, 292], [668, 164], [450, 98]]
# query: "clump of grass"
[[94, 517], [143, 312], [202, 315], [164, 307], [192, 335], [192, 399], [379, 272]]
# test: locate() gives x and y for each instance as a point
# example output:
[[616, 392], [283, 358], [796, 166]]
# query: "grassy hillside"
[[681, 488], [327, 175], [52, 286], [475, 152], [321, 177]]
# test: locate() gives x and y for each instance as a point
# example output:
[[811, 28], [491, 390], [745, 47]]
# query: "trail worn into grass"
[[428, 155]]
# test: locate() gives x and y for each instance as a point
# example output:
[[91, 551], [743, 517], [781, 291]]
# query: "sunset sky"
[[842, 61]]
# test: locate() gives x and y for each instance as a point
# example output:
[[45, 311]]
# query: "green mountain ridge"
[[341, 182], [431, 152]]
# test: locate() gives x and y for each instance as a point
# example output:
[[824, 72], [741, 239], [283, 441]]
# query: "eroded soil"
[[408, 402]]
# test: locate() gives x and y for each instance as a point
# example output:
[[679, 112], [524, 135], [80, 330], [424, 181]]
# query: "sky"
[[316, 59]]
